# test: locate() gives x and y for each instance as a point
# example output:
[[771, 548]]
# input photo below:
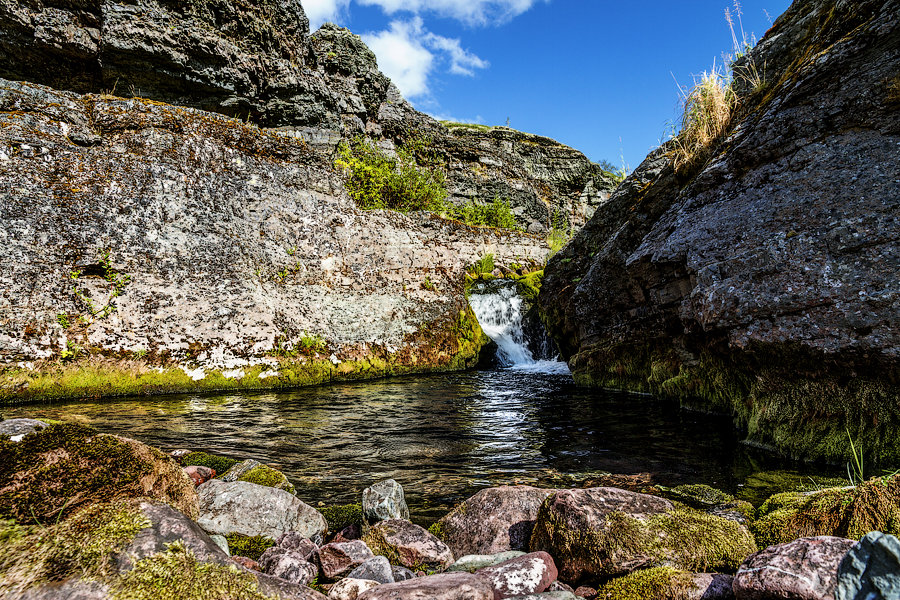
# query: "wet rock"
[[529, 574], [247, 563], [199, 474], [289, 565], [871, 569], [605, 532], [407, 544], [16, 429], [473, 562], [379, 569], [350, 589], [400, 573], [383, 501], [341, 557], [493, 520], [447, 586], [255, 510], [805, 569]]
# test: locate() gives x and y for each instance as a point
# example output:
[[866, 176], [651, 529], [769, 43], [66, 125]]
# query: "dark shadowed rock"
[[529, 574], [407, 544], [493, 520], [871, 569], [448, 586], [379, 569], [341, 557], [805, 569], [400, 573], [383, 501]]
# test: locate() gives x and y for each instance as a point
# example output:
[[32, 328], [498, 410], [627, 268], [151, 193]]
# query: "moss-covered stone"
[[705, 497], [265, 475], [249, 546], [342, 515], [51, 474], [760, 486], [81, 546], [845, 512], [437, 530], [220, 464], [657, 583]]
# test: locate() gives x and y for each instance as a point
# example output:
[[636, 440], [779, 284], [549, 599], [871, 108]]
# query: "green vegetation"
[[849, 512], [475, 126], [342, 515], [760, 486], [248, 546], [269, 477], [657, 583], [704, 497], [117, 284], [437, 530], [312, 343], [482, 266], [220, 464], [495, 214]]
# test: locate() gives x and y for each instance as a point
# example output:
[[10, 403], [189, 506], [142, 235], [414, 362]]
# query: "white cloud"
[[320, 11], [473, 12], [407, 53]]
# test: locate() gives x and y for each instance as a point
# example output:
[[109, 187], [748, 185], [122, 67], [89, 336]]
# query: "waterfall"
[[500, 312]]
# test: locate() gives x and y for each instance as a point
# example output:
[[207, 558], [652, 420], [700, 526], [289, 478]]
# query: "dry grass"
[[708, 109]]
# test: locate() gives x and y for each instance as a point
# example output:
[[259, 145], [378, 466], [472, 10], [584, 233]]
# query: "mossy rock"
[[220, 464], [763, 484], [342, 515], [437, 530], [708, 498], [53, 473], [657, 583], [82, 546], [269, 477], [529, 286], [249, 546], [843, 512]]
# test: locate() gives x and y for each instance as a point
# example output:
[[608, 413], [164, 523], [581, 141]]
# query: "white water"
[[500, 316]]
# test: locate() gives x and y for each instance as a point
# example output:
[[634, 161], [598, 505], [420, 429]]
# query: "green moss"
[[342, 515], [249, 546], [264, 475], [844, 512], [529, 286], [437, 530], [51, 474], [763, 484], [81, 546], [657, 583], [202, 459], [176, 573]]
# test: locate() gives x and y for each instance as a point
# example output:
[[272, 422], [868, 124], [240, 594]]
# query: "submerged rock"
[[493, 520], [604, 532], [255, 510], [409, 545], [871, 569], [805, 569], [383, 501]]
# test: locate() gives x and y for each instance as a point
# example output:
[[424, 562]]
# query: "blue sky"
[[599, 76]]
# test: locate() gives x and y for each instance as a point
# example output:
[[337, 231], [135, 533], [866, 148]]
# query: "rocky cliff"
[[765, 282]]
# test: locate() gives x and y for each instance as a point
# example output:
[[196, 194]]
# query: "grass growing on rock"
[[342, 515], [269, 477], [657, 583], [249, 546]]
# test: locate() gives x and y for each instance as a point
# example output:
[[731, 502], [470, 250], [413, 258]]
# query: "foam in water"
[[500, 314]]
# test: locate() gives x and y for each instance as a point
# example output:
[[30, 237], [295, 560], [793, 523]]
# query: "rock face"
[[493, 520], [871, 569], [805, 569], [606, 532], [255, 510], [765, 276]]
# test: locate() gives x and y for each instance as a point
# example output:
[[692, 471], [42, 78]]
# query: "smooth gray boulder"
[[383, 501], [250, 509], [16, 429], [379, 569], [871, 569]]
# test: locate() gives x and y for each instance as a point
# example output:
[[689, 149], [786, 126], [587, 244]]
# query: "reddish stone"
[[338, 558], [529, 574], [414, 546], [199, 474], [586, 592], [248, 563]]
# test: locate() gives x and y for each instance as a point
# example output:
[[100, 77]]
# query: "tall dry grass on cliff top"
[[708, 109]]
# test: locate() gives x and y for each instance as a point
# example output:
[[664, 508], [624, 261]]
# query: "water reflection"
[[442, 436]]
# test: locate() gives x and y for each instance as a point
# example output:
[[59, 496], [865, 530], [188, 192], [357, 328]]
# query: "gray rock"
[[66, 590], [447, 586], [250, 509], [472, 562], [289, 565], [18, 428], [713, 586], [529, 574], [379, 569], [409, 545], [871, 569], [556, 595], [338, 558], [293, 540], [221, 542], [805, 569], [493, 520], [240, 469], [383, 501], [350, 589]]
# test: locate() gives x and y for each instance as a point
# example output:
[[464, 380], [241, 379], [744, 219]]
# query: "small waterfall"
[[500, 311]]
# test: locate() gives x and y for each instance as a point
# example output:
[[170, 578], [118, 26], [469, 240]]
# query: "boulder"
[[383, 501], [338, 558], [585, 591], [64, 467], [446, 586], [293, 540], [663, 583], [605, 532], [493, 520], [805, 569], [472, 562], [407, 544], [379, 569], [871, 569], [16, 429], [289, 565], [529, 574], [255, 472], [199, 474], [350, 589], [255, 510]]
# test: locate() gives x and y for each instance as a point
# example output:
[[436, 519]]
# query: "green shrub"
[[494, 214], [483, 265], [219, 463], [376, 180]]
